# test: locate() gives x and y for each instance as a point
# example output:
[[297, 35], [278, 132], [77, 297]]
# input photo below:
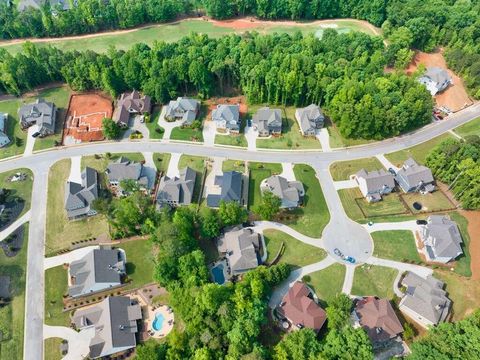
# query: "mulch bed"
[[13, 244]]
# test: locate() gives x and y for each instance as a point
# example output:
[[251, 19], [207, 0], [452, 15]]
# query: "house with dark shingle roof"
[[99, 270], [231, 184], [309, 119], [42, 113], [4, 139], [125, 169], [268, 121], [374, 184], [290, 192], [177, 191], [79, 197], [115, 323], [131, 104], [441, 239], [227, 117], [240, 246], [413, 177], [184, 109], [300, 309], [37, 4], [435, 80]]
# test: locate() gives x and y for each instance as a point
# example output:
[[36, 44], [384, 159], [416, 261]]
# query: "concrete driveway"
[[386, 163], [421, 271], [173, 170], [260, 226], [30, 140], [210, 187], [287, 171], [149, 168], [345, 184], [348, 281], [135, 124], [75, 169], [209, 132], [251, 135], [78, 342], [324, 137], [166, 125], [402, 225], [67, 258]]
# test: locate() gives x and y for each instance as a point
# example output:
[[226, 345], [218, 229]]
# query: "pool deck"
[[168, 321]]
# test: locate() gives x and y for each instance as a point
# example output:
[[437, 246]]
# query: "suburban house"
[[240, 246], [176, 191], [415, 178], [374, 184], [115, 322], [309, 119], [435, 80], [227, 118], [79, 197], [99, 270], [4, 139], [268, 121], [183, 109], [378, 319], [300, 309], [131, 104], [37, 4], [124, 169], [41, 113], [231, 184], [441, 239], [425, 301], [290, 192]]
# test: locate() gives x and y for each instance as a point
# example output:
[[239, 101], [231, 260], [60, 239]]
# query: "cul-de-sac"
[[239, 179]]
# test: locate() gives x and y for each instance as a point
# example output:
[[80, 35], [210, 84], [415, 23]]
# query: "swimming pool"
[[218, 275], [158, 322]]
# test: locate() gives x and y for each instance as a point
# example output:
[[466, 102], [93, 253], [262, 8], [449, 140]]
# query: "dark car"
[[421, 222], [417, 206], [338, 252], [392, 171], [36, 134], [249, 123]]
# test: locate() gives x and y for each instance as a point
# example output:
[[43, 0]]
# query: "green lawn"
[[291, 137], [374, 280], [341, 170], [462, 264], [197, 163], [418, 152], [152, 125], [312, 217], [161, 161], [52, 349], [140, 262], [56, 285], [327, 283], [338, 141], [398, 245], [296, 253], [436, 201], [470, 128], [12, 315], [61, 232], [187, 134], [22, 189], [231, 140], [258, 172], [233, 165]]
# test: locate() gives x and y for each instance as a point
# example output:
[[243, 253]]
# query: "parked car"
[[249, 122], [338, 252], [350, 259], [36, 134], [392, 171], [421, 222]]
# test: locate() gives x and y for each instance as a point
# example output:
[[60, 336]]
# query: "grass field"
[[258, 172], [338, 141], [296, 253], [462, 264], [418, 152], [470, 128], [312, 217], [61, 232], [398, 245], [341, 170], [52, 349], [22, 189], [436, 201], [140, 262], [187, 134], [327, 283], [161, 161], [197, 163], [233, 165], [374, 280], [56, 285], [12, 315], [232, 140]]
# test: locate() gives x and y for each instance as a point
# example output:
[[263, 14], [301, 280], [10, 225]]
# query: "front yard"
[[161, 161], [470, 128], [341, 170], [20, 189], [51, 349], [398, 245], [233, 165], [373, 280], [231, 140], [258, 172], [188, 133], [327, 283], [56, 285], [152, 125]]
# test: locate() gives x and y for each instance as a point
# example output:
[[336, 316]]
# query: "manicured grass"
[[470, 128], [374, 280], [22, 189], [258, 172], [197, 163], [152, 125], [338, 141], [291, 137], [233, 165], [187, 134], [56, 285], [12, 315], [231, 140], [327, 283], [296, 253], [418, 152], [462, 264], [312, 217], [52, 348], [398, 245], [61, 232], [140, 262], [161, 161], [436, 201], [341, 170]]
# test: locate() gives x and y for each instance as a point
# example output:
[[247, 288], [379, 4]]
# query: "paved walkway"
[[324, 137], [260, 226], [30, 140], [345, 184], [173, 170], [78, 342], [75, 169], [67, 258], [417, 269], [15, 225], [402, 225], [287, 171], [386, 163], [348, 281], [209, 132], [167, 126], [251, 135]]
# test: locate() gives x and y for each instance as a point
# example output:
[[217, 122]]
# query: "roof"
[[115, 322], [426, 297], [125, 169], [129, 103], [266, 118], [376, 180], [290, 192], [298, 307], [79, 197], [231, 184], [309, 116], [4, 139], [437, 75], [183, 107], [230, 114], [40, 112], [97, 267], [240, 247], [414, 174], [177, 189], [443, 236], [378, 318]]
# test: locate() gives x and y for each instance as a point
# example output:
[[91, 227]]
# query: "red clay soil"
[[473, 218], [240, 100], [238, 24], [455, 97], [85, 115]]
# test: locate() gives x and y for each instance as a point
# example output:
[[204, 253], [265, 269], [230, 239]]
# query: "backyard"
[[398, 245], [436, 201], [341, 170], [370, 280], [327, 283], [140, 262], [56, 285], [258, 172]]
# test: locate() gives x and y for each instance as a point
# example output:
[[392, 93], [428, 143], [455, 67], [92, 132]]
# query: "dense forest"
[[457, 163]]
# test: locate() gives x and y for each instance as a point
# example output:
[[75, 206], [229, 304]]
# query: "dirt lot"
[[84, 118], [213, 102], [454, 97]]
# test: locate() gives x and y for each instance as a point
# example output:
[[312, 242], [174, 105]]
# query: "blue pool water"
[[218, 275], [158, 322]]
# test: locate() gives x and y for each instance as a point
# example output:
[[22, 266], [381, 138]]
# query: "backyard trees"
[[338, 311], [111, 129], [298, 345], [269, 206], [232, 213]]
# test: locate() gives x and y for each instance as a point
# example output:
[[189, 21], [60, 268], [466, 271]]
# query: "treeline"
[[457, 163], [341, 72]]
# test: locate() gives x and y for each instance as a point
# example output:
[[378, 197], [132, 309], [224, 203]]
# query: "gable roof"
[[40, 112], [443, 236], [290, 192], [177, 189], [228, 113], [185, 107], [125, 169], [79, 197], [376, 180], [307, 117], [240, 247], [266, 118], [438, 75], [414, 174], [129, 103], [231, 184]]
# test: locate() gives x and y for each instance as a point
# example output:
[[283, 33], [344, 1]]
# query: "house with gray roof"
[[290, 192], [374, 184], [99, 270], [231, 184], [131, 104], [41, 113], [79, 197], [413, 177], [227, 117], [441, 239], [115, 321], [176, 191], [4, 139], [268, 121], [125, 169], [184, 109], [309, 119], [37, 4], [425, 301], [240, 246], [435, 80]]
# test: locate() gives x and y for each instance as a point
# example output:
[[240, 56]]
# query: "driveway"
[[210, 187], [348, 281], [287, 171], [260, 226], [15, 225], [386, 163], [78, 342], [167, 126], [251, 135], [149, 168], [30, 140], [209, 132], [75, 169], [135, 124], [403, 225], [324, 137], [67, 258], [173, 170], [345, 184], [421, 271]]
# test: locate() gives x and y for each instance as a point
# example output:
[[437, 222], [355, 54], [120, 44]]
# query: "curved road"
[[337, 233]]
